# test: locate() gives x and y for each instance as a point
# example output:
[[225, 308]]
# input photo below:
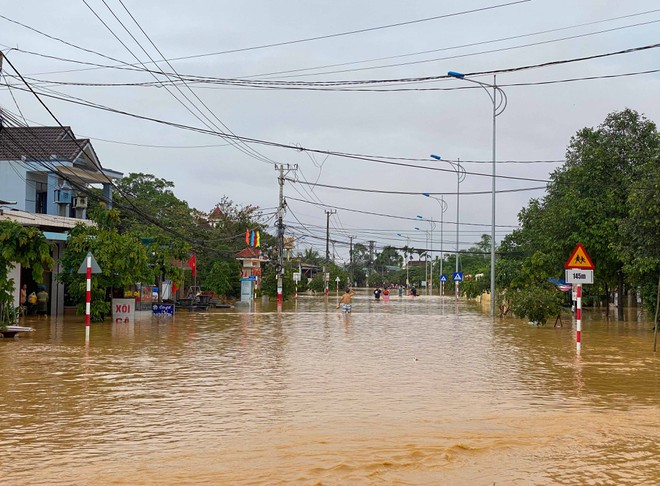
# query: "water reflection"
[[415, 391]]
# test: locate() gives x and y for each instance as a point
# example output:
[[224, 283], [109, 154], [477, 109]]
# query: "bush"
[[535, 303]]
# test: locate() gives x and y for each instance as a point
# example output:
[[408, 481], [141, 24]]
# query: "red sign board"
[[579, 259]]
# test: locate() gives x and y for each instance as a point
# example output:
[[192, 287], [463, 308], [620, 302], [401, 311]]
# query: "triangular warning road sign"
[[579, 259], [94, 264]]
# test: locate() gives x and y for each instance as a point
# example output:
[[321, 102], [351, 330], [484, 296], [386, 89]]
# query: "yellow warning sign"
[[579, 259]]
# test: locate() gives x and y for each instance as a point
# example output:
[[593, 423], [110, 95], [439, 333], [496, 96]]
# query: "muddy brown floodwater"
[[406, 391]]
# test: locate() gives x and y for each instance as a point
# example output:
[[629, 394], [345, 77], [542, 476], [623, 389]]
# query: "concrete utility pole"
[[328, 212], [371, 258], [350, 260], [282, 168]]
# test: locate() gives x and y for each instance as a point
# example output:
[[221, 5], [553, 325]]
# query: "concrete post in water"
[[578, 315], [88, 295]]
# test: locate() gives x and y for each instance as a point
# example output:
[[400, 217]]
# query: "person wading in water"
[[345, 300]]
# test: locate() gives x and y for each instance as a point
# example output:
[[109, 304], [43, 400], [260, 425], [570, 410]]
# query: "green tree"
[[121, 256], [536, 303], [223, 278], [640, 244], [588, 202], [25, 246]]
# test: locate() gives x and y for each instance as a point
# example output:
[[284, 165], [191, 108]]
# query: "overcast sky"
[[339, 41]]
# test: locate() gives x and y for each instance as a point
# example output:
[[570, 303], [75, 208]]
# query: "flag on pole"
[[258, 239], [247, 236], [192, 263], [252, 238]]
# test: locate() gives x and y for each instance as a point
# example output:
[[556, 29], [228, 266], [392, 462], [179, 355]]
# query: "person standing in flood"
[[345, 301], [42, 301]]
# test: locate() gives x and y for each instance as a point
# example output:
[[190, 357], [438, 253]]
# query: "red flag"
[[174, 287], [192, 263], [247, 236]]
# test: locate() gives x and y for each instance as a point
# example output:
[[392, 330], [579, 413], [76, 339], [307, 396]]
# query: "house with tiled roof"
[[45, 174]]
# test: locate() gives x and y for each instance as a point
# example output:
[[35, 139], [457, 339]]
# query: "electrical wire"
[[418, 193], [406, 218]]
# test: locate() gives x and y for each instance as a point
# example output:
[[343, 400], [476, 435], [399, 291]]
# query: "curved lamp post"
[[443, 208], [499, 105], [460, 177]]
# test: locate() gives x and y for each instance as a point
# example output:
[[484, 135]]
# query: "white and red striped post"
[[88, 296], [578, 315]]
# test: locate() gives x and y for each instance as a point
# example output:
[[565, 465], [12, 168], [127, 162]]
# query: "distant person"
[[42, 301], [386, 294], [32, 303], [24, 301], [413, 291], [377, 293], [345, 300]]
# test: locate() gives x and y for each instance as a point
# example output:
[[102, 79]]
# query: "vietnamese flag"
[[192, 263], [247, 236]]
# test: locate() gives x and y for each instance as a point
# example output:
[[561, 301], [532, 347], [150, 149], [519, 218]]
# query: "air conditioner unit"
[[80, 202], [63, 196]]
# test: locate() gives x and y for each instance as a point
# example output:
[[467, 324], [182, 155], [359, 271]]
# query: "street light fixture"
[[443, 208], [460, 177], [499, 105]]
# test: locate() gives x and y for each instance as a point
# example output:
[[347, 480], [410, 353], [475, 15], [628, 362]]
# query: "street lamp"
[[404, 255], [460, 177], [499, 105], [443, 208]]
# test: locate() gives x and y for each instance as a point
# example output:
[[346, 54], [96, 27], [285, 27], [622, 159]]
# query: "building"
[[45, 174]]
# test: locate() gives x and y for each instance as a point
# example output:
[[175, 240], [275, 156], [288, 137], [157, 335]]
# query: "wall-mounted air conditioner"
[[63, 196], [80, 202]]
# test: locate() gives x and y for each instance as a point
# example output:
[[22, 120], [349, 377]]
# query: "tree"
[[536, 303], [25, 246], [588, 202], [641, 228], [222, 278], [121, 256]]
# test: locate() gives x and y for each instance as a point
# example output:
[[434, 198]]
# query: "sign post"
[[458, 277], [88, 267], [579, 271], [296, 279], [337, 281], [443, 279]]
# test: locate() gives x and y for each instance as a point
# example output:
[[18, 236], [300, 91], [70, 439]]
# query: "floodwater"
[[407, 392]]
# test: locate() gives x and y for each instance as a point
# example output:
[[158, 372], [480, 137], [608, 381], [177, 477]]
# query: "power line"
[[290, 42], [461, 46], [418, 193], [384, 215]]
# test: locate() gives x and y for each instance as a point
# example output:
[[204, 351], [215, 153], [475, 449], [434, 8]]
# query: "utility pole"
[[328, 212], [282, 168], [350, 260], [371, 259]]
